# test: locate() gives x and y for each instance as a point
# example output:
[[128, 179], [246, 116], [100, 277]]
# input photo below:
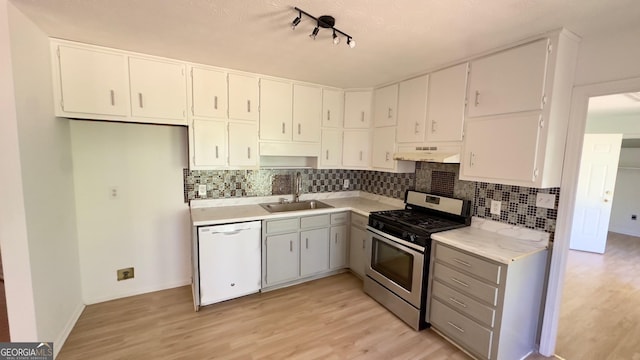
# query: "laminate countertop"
[[496, 241], [224, 211]]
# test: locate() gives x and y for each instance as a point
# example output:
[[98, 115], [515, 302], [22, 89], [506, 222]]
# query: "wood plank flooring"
[[600, 314]]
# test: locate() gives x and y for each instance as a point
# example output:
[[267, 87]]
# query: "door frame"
[[570, 173]]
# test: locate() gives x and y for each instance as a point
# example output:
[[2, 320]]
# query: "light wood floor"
[[600, 314]]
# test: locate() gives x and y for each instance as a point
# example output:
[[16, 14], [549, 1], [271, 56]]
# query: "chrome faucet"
[[298, 188]]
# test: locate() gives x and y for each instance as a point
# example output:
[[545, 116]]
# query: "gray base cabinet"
[[490, 310], [358, 244], [281, 253]]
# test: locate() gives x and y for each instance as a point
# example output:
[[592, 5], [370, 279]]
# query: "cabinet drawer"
[[464, 304], [465, 331], [314, 221], [276, 226], [358, 220], [469, 263], [339, 218], [466, 284]]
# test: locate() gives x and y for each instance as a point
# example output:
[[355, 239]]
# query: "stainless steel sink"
[[295, 206]]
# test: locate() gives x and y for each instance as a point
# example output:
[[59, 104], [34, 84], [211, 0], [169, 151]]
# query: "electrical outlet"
[[495, 207], [547, 201], [202, 190], [113, 193], [345, 184], [126, 273]]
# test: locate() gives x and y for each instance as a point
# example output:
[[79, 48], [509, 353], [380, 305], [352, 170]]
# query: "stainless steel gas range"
[[400, 242]]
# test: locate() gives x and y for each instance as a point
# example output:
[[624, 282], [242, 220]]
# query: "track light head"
[[350, 42], [315, 32], [295, 22], [336, 39]]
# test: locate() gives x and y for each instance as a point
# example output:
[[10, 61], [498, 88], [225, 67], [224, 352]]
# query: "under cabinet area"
[[482, 306]]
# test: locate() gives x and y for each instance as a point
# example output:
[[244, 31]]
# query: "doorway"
[[577, 126]]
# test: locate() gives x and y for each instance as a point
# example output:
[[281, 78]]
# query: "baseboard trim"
[[144, 290], [62, 337]]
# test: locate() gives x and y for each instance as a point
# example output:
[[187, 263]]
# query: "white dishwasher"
[[229, 261]]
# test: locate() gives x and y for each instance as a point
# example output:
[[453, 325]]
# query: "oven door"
[[397, 265]]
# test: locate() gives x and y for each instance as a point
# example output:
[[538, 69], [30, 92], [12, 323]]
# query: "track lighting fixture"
[[325, 22]]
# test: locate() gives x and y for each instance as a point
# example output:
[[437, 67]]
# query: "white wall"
[[628, 125], [13, 222], [626, 200], [147, 226], [47, 179]]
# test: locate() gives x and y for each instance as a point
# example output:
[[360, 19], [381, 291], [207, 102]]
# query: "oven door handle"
[[392, 240]]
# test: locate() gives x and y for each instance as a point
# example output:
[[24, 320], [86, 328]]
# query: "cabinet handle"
[[455, 301], [387, 156], [362, 117], [307, 242], [113, 98], [336, 238], [290, 246], [389, 113], [455, 326], [363, 240], [417, 128], [216, 151], [249, 152], [462, 262], [215, 102], [459, 282], [140, 100], [299, 128], [477, 102], [327, 156], [328, 114], [360, 155], [283, 128], [433, 126], [472, 158], [248, 105]]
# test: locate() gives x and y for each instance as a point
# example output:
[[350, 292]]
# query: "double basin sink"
[[295, 206]]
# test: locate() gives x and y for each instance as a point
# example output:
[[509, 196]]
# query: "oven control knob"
[[412, 238]]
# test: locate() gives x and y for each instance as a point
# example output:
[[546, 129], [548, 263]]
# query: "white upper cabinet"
[[92, 82], [158, 89], [356, 149], [509, 81], [447, 96], [243, 144], [357, 109], [383, 147], [209, 93], [385, 106], [332, 108], [209, 143], [307, 113], [276, 113], [243, 97], [412, 109], [331, 148]]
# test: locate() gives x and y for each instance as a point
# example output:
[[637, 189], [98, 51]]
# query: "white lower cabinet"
[[358, 244], [489, 309]]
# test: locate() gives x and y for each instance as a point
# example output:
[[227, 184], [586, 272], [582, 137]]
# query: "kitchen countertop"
[[222, 211], [497, 241]]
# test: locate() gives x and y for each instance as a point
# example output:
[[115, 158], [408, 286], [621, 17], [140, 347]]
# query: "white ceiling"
[[395, 39]]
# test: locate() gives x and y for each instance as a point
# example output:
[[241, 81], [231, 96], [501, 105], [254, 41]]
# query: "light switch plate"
[[495, 207], [202, 190], [345, 184], [547, 201]]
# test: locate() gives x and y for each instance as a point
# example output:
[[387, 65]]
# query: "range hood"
[[449, 155]]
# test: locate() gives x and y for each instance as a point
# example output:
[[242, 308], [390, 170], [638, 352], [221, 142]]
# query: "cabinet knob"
[[327, 156], [113, 97], [477, 101], [328, 114], [249, 152], [299, 128], [215, 102], [249, 106], [433, 126], [283, 127], [216, 151], [362, 117], [140, 100], [389, 113]]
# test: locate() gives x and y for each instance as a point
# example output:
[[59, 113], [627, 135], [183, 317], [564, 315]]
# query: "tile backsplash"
[[518, 203]]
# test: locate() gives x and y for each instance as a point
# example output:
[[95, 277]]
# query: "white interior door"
[[598, 170]]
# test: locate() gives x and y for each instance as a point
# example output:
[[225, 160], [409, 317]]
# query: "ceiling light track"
[[325, 22]]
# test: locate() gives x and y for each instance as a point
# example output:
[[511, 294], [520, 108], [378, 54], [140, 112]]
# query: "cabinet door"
[[209, 143], [209, 93], [314, 251], [158, 89], [356, 148], [307, 113], [447, 93], [331, 152], [276, 110], [332, 108], [509, 81], [385, 105], [281, 258], [243, 97], [357, 250], [243, 144], [93, 82], [412, 109], [511, 160], [383, 146], [338, 246], [357, 109]]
